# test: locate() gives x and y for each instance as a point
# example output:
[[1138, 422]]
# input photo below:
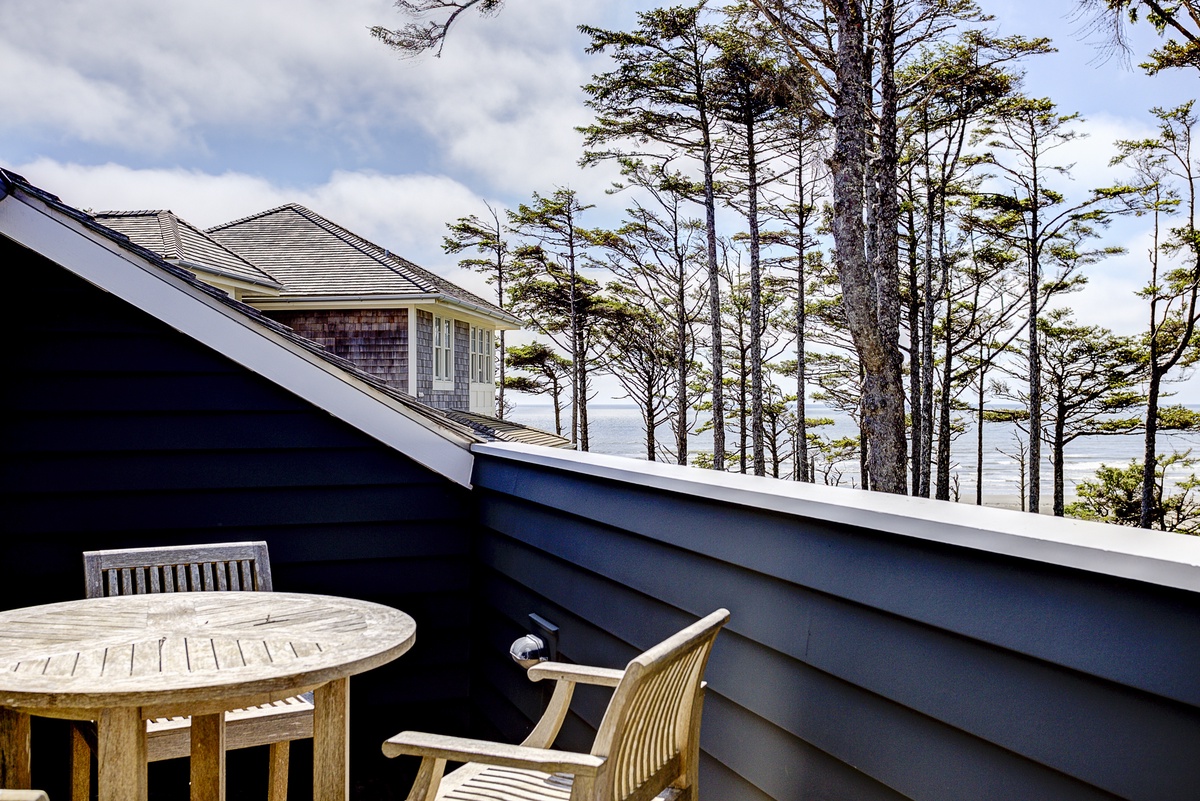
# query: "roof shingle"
[[175, 239], [313, 256]]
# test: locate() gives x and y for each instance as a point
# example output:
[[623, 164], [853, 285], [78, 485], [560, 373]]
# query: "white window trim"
[[443, 352], [483, 357]]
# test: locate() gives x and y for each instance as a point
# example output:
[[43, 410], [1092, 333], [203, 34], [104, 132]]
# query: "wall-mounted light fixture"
[[540, 646]]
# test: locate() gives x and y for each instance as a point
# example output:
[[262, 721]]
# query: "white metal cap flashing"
[[1155, 557]]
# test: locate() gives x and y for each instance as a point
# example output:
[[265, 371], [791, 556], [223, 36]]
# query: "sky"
[[223, 108]]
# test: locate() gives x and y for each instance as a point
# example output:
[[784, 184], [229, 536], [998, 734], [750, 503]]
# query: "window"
[[482, 355], [443, 351]]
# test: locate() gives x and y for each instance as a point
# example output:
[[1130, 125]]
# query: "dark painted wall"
[[118, 431], [856, 665]]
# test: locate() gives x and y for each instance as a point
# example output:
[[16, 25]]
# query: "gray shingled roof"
[[314, 257], [507, 430], [176, 239]]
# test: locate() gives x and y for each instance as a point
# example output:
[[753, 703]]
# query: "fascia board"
[[227, 277], [32, 224], [461, 310], [1155, 557]]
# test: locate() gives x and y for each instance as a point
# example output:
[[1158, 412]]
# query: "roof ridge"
[[168, 224], [254, 216]]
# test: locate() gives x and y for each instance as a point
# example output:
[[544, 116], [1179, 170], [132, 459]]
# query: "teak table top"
[[188, 653]]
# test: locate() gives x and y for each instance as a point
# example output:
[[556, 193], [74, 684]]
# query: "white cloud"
[[142, 74], [169, 85]]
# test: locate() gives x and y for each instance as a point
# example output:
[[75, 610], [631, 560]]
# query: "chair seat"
[[288, 719], [475, 782]]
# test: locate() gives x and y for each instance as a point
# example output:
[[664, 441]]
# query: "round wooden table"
[[125, 659]]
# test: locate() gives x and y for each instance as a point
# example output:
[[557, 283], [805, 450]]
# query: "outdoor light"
[[527, 651]]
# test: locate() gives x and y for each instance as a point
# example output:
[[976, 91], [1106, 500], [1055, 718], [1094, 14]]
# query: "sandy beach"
[[1013, 502]]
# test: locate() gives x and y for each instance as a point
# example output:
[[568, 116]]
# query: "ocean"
[[617, 430]]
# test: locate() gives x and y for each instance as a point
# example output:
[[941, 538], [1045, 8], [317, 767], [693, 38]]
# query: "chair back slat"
[[241, 566], [645, 732]]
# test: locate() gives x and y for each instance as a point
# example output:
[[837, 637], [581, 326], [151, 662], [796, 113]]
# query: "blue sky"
[[223, 108]]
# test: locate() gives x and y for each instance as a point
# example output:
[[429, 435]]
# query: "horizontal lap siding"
[[855, 665], [120, 432]]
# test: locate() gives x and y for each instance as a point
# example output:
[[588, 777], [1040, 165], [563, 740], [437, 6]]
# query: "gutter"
[[191, 265]]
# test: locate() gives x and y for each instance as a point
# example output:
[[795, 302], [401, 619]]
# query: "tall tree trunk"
[[801, 472], [943, 449], [1150, 450], [576, 360], [979, 434], [869, 322], [943, 455], [1035, 354], [651, 425], [1149, 454], [930, 307], [756, 325], [681, 370], [714, 293], [557, 409], [1057, 456], [915, 404], [886, 265], [743, 409], [584, 437]]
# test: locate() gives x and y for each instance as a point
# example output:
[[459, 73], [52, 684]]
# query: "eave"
[[461, 309]]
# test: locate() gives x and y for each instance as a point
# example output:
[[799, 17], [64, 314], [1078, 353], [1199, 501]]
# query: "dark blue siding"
[[856, 664], [119, 431]]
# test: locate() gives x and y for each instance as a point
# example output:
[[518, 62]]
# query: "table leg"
[[208, 757], [14, 749], [121, 754], [331, 741]]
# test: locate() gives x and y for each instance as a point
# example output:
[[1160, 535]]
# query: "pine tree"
[[659, 93], [552, 225]]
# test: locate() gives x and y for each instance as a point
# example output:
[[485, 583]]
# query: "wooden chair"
[[647, 746], [235, 566]]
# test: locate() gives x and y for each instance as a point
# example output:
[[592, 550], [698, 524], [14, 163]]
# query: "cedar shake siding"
[[425, 356], [459, 398], [376, 340], [119, 431]]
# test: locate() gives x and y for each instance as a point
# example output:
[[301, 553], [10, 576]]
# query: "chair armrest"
[[462, 749], [23, 795], [581, 674]]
